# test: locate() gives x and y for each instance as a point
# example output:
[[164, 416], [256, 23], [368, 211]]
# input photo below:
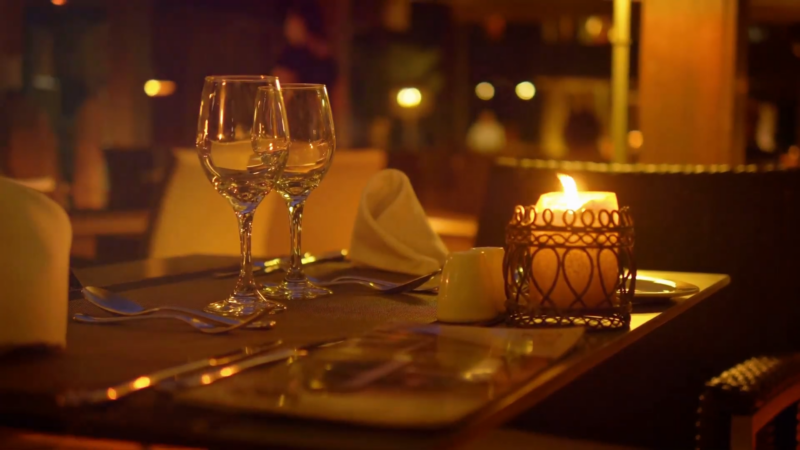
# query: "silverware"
[[211, 376], [95, 396], [370, 282], [382, 287], [117, 304], [203, 327], [278, 264], [196, 323]]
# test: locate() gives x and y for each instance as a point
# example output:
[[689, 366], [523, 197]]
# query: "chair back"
[[330, 210], [192, 218], [687, 218], [753, 405], [35, 238], [45, 185]]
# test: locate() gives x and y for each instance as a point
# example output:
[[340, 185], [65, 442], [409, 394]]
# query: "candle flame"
[[570, 191]]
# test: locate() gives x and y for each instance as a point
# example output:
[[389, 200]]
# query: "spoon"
[[196, 323], [117, 304], [193, 321]]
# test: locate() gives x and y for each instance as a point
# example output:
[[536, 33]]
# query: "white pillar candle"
[[590, 271]]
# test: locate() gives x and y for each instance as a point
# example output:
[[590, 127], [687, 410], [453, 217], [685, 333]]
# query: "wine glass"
[[310, 155], [242, 142]]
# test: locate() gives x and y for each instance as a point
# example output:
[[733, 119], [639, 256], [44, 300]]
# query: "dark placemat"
[[99, 355]]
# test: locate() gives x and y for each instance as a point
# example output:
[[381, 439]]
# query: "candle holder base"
[[574, 270], [601, 320]]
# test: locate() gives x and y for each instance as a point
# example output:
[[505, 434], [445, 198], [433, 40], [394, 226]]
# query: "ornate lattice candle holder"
[[565, 268]]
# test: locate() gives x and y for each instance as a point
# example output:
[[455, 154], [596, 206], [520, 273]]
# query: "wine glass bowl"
[[313, 143], [243, 155]]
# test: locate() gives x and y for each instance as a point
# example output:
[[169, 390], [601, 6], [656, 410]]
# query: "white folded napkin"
[[391, 231], [35, 238]]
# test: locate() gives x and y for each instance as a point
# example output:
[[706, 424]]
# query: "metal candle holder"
[[587, 259]]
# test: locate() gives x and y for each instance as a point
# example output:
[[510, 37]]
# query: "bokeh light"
[[525, 90], [159, 88], [635, 139], [484, 90], [594, 26], [409, 97]]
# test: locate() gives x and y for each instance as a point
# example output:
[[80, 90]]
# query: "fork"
[[383, 287]]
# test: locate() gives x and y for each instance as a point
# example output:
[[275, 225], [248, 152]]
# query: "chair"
[[45, 185], [192, 218], [753, 405], [330, 211], [35, 238]]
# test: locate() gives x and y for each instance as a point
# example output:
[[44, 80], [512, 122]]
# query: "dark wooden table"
[[98, 356]]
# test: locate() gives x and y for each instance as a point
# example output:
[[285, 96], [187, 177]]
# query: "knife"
[[103, 395], [211, 376], [276, 264]]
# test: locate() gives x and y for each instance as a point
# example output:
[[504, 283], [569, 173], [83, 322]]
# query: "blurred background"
[[97, 95]]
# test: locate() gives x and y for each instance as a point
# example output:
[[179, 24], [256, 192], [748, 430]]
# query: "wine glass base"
[[243, 305], [295, 290]]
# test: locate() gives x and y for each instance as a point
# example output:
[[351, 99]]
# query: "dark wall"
[[208, 37]]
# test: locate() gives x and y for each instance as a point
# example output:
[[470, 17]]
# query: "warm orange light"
[[600, 269], [571, 199], [226, 372], [141, 382], [525, 90], [409, 97], [594, 26], [484, 90], [111, 393], [59, 2], [792, 157], [159, 88], [205, 379], [635, 139]]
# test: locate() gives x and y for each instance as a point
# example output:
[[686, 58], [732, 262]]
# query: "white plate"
[[660, 288]]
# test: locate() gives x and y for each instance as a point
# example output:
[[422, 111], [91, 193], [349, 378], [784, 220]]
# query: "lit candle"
[[591, 272]]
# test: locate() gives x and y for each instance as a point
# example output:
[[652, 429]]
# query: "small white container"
[[472, 287]]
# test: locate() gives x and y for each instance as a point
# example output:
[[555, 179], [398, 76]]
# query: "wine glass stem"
[[295, 272], [245, 282]]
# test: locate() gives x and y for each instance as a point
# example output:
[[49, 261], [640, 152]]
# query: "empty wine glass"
[[243, 154], [310, 155]]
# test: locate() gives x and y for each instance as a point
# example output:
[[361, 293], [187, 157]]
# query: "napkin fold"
[[35, 238], [391, 231]]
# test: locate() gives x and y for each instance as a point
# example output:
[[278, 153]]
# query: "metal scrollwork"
[[576, 269]]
